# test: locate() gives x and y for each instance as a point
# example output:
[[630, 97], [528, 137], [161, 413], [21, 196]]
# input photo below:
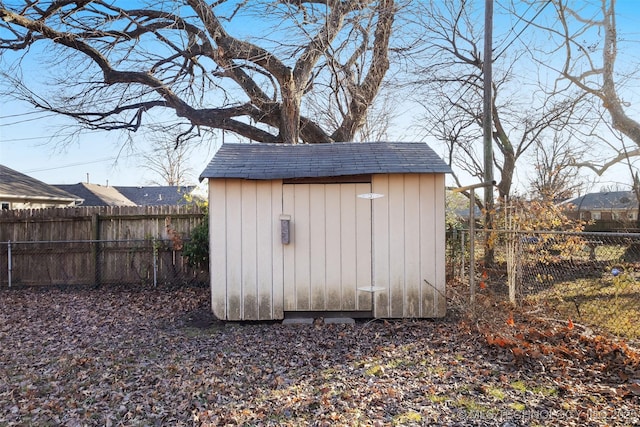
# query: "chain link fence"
[[97, 262], [591, 278]]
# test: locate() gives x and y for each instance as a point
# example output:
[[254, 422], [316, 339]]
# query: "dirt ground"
[[145, 357]]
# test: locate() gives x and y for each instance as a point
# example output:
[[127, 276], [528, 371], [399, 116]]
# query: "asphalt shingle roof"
[[97, 195], [16, 184], [282, 161], [156, 195], [619, 200]]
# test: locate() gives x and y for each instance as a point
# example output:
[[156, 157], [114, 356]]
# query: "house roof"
[[282, 161], [610, 200], [97, 195], [14, 184], [157, 195]]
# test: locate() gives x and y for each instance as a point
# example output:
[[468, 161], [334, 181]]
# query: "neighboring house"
[[98, 195], [355, 228], [604, 206], [157, 195], [20, 191]]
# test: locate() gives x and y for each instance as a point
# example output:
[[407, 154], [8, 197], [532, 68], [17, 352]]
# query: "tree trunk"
[[290, 111]]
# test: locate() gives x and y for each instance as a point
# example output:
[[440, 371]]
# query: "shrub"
[[196, 249]]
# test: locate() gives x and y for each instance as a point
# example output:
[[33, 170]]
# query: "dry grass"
[[610, 304]]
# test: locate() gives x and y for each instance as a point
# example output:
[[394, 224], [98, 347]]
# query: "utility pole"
[[487, 124]]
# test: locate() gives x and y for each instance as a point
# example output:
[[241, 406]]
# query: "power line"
[[522, 30], [69, 165], [2, 141], [21, 114], [513, 27], [30, 120]]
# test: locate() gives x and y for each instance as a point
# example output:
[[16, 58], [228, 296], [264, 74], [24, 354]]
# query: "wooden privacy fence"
[[103, 245], [99, 223], [95, 262]]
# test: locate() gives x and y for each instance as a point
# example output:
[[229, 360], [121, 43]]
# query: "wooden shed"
[[353, 228]]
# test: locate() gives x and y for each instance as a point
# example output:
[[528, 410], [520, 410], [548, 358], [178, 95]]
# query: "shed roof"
[[282, 161]]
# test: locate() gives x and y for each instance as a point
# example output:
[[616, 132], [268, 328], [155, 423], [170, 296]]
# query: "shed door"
[[329, 254]]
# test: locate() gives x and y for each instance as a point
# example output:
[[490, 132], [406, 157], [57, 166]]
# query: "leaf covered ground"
[[144, 357]]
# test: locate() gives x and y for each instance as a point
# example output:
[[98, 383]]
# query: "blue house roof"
[[156, 195], [97, 195]]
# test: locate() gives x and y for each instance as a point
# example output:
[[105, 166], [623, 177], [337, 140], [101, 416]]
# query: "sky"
[[37, 144]]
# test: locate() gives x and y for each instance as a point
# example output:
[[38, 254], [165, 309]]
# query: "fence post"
[[9, 262], [472, 253], [95, 249], [155, 263], [463, 252]]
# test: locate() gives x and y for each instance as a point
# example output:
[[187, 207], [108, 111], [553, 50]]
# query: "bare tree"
[[555, 177], [211, 65], [168, 162], [588, 38], [453, 93]]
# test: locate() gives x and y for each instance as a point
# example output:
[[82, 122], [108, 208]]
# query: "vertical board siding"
[[409, 245], [429, 235], [289, 255], [381, 246], [218, 247], [330, 251], [302, 246], [248, 242], [364, 233], [264, 250], [339, 242], [346, 288], [277, 283], [413, 246], [318, 230], [439, 279], [244, 246], [396, 234], [334, 250], [235, 263]]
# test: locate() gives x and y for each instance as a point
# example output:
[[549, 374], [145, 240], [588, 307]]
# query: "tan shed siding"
[[364, 229], [218, 247], [409, 245], [413, 246], [381, 246], [243, 218], [440, 236], [396, 244], [248, 248], [429, 236], [234, 249], [277, 273], [302, 245], [288, 255], [334, 249], [330, 251], [317, 231]]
